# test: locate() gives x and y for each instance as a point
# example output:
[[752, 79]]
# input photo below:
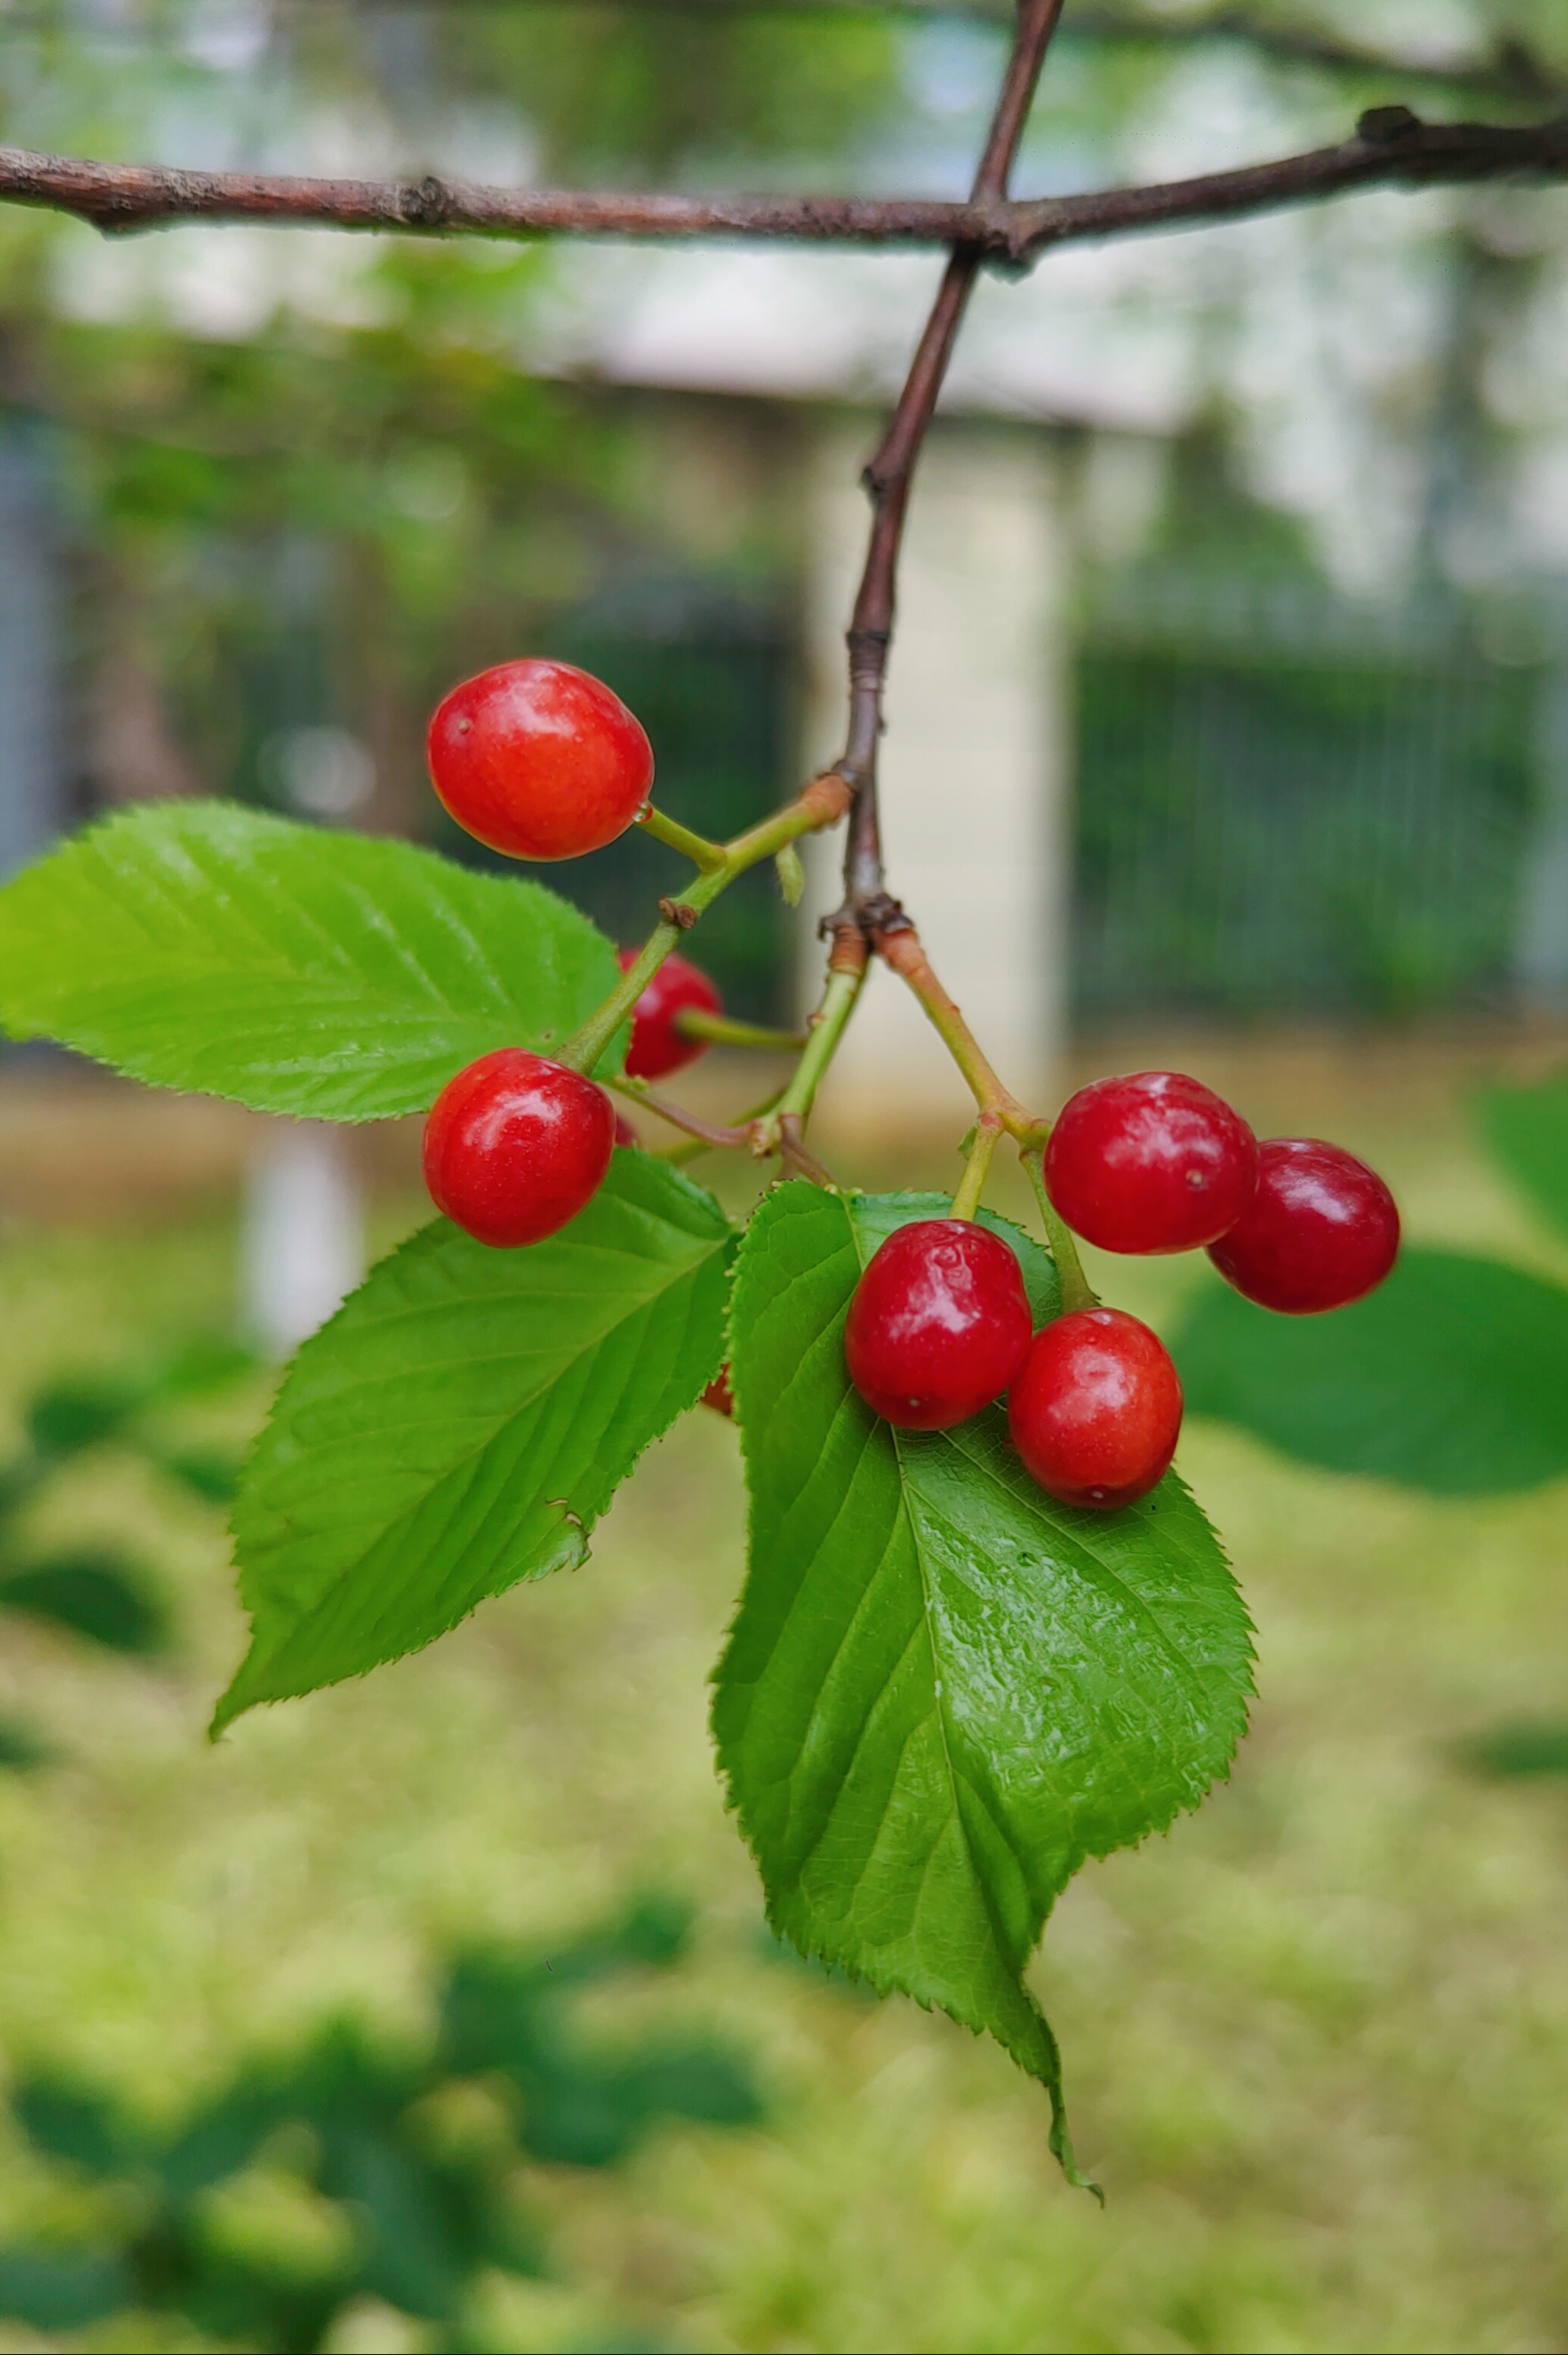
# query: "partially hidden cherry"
[[718, 1395], [938, 1325], [1096, 1409], [516, 1145], [658, 1047], [1321, 1230], [538, 760], [1153, 1162]]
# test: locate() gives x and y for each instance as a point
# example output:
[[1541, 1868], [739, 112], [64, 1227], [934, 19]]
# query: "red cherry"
[[1321, 1230], [514, 1146], [1154, 1162], [1096, 1409], [538, 760], [657, 1048], [938, 1325], [718, 1395], [625, 1133]]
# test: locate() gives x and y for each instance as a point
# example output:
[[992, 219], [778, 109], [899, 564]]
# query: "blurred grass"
[[1316, 2040]]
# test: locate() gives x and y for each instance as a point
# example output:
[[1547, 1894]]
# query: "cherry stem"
[[903, 951], [820, 803], [638, 1092], [694, 1148], [719, 1030], [794, 1155], [987, 1134], [1070, 1275], [708, 856], [845, 973]]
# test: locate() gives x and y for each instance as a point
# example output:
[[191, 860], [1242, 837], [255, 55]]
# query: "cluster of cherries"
[[940, 1326], [541, 761]]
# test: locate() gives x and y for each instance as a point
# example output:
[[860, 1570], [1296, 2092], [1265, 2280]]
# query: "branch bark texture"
[[891, 472], [1391, 146]]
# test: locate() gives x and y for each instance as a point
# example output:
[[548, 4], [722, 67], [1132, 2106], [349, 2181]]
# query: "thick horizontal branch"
[[1390, 146]]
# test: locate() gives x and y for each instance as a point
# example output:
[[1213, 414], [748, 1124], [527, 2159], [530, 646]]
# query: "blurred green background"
[[1316, 2040], [1316, 2037]]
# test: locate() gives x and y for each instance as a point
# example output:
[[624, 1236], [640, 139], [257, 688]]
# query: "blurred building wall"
[[975, 764]]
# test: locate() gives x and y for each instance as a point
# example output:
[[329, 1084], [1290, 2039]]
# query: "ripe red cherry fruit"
[[540, 760], [719, 1394], [1096, 1409], [1154, 1162], [938, 1325], [1321, 1230], [516, 1145], [657, 1048]]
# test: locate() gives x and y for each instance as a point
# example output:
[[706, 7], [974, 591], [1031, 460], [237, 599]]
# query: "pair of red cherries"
[[940, 1325], [540, 760]]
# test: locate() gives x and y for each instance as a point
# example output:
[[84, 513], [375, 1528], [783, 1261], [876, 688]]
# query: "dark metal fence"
[[1336, 826]]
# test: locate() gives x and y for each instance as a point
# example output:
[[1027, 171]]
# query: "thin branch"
[[891, 471], [1390, 146]]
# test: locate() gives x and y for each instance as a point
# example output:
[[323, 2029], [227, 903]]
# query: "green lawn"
[[1316, 2040]]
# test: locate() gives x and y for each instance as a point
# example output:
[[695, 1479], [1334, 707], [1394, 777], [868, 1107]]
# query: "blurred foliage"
[[1317, 2034], [617, 94], [101, 1592], [350, 2168]]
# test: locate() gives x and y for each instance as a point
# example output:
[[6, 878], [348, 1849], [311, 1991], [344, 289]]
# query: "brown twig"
[[891, 469], [1388, 145]]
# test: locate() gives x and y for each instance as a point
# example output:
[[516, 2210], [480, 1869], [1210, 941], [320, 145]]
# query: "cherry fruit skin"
[[939, 1324], [719, 1394], [657, 1048], [1154, 1162], [514, 1146], [1096, 1409], [538, 760], [1321, 1230]]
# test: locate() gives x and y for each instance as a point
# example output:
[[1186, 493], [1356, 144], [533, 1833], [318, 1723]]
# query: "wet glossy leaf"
[[464, 1420], [943, 1690]]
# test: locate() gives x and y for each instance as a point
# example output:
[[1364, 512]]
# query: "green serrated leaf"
[[942, 1690], [200, 945], [1452, 1377], [464, 1420], [1527, 1128]]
